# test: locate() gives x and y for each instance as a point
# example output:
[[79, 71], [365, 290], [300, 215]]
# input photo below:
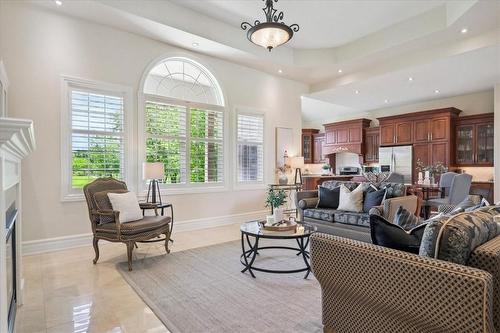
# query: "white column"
[[497, 143]]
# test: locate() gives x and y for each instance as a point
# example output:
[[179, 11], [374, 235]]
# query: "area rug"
[[203, 290]]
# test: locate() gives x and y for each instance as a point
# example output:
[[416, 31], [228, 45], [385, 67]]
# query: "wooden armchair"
[[106, 224]]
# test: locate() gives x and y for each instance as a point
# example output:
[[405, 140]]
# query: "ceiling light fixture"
[[195, 44], [386, 101], [464, 30], [58, 2], [272, 33], [280, 71], [356, 92], [410, 79], [339, 71], [436, 91]]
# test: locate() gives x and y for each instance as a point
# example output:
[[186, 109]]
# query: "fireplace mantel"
[[17, 136], [17, 141]]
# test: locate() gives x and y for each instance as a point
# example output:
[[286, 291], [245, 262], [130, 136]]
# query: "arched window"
[[184, 122]]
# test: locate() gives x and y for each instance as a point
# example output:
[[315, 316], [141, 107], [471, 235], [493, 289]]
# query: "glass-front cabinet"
[[474, 140], [308, 144]]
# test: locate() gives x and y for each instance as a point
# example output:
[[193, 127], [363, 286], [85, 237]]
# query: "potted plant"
[[281, 171], [326, 169], [276, 199]]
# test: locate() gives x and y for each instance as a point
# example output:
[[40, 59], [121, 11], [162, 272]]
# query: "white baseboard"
[[67, 242]]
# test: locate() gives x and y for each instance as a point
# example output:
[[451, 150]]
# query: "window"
[[250, 149], [94, 135], [184, 123]]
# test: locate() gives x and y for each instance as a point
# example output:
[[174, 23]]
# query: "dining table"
[[428, 192]]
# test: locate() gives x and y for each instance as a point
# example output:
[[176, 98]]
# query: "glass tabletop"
[[256, 228]]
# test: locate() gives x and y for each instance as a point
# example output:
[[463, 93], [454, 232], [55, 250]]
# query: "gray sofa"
[[350, 224]]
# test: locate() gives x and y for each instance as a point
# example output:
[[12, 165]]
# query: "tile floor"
[[64, 292]]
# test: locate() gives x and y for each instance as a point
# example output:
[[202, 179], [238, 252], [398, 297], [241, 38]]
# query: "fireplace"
[[11, 273]]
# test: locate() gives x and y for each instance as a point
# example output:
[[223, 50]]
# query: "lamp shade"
[[153, 170], [297, 162]]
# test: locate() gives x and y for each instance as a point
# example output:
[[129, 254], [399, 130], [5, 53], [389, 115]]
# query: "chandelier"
[[272, 33]]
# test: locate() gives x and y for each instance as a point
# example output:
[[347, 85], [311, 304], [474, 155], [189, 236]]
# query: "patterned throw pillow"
[[454, 238], [406, 219], [351, 201]]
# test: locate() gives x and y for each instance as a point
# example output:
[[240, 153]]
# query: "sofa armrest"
[[391, 205], [377, 210], [302, 195], [369, 288]]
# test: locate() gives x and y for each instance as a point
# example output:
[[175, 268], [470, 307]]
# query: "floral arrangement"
[[283, 169], [326, 166], [275, 198], [437, 169]]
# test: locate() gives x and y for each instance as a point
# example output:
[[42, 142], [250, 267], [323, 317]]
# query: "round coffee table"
[[256, 231]]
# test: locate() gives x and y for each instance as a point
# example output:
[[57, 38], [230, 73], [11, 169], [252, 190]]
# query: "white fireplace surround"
[[16, 142]]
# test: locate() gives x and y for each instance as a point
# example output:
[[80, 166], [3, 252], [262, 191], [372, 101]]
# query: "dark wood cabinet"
[[387, 133], [371, 144], [421, 130], [483, 188], [319, 141], [440, 129], [404, 131], [475, 140], [345, 136], [308, 144]]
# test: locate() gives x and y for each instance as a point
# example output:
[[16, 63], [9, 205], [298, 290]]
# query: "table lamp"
[[297, 163], [153, 171]]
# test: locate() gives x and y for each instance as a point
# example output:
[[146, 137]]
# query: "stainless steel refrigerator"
[[397, 159]]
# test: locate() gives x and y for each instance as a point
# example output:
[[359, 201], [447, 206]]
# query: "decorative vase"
[[278, 214], [325, 172], [283, 179], [420, 178]]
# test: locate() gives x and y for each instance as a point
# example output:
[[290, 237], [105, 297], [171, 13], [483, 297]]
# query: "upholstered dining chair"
[[106, 224], [445, 183], [459, 190]]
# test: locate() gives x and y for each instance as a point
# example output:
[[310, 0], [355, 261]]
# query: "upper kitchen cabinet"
[[475, 141], [308, 144], [345, 136], [418, 127], [371, 144], [318, 143]]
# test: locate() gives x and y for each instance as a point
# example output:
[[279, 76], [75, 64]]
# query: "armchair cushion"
[[102, 202], [147, 223], [391, 206], [128, 206], [390, 235]]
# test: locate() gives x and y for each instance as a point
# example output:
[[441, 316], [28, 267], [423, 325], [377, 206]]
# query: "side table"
[[151, 206]]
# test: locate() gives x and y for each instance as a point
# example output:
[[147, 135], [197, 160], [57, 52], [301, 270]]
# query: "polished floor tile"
[[65, 293]]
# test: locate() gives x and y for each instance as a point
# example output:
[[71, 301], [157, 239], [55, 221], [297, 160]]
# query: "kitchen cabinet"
[[387, 134], [308, 144], [475, 140], [430, 154], [319, 141], [345, 136], [371, 144], [432, 130]]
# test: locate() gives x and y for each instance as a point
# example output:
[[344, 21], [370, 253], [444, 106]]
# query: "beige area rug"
[[203, 290]]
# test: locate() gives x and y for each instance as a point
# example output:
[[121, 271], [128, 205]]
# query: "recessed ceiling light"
[[58, 2], [386, 101], [195, 44], [340, 70], [356, 92], [464, 30], [410, 79], [280, 71], [436, 91]]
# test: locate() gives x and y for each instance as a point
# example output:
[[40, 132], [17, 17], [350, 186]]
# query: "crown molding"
[[17, 136]]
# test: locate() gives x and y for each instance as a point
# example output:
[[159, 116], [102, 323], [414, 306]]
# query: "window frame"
[[188, 187], [256, 185], [68, 83]]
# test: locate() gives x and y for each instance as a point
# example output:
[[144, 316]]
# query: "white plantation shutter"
[[250, 150], [166, 139], [97, 135]]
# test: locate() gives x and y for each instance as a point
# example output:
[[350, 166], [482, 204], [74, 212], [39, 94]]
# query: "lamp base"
[[154, 190], [298, 173]]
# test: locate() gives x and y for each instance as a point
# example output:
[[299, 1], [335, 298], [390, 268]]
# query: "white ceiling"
[[378, 44], [323, 23]]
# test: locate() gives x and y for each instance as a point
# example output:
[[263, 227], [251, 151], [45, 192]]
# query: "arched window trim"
[[185, 188]]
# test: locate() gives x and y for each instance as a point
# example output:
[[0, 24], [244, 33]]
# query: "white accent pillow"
[[351, 201], [127, 204]]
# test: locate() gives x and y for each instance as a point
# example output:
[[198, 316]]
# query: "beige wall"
[[474, 103], [39, 46]]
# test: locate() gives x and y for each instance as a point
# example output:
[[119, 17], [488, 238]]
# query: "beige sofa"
[[368, 288]]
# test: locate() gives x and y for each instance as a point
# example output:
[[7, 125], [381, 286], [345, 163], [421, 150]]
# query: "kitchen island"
[[311, 181]]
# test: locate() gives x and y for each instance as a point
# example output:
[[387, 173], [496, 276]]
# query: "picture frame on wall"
[[284, 143]]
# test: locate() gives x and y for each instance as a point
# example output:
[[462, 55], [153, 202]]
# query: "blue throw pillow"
[[328, 198], [405, 219], [373, 199]]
